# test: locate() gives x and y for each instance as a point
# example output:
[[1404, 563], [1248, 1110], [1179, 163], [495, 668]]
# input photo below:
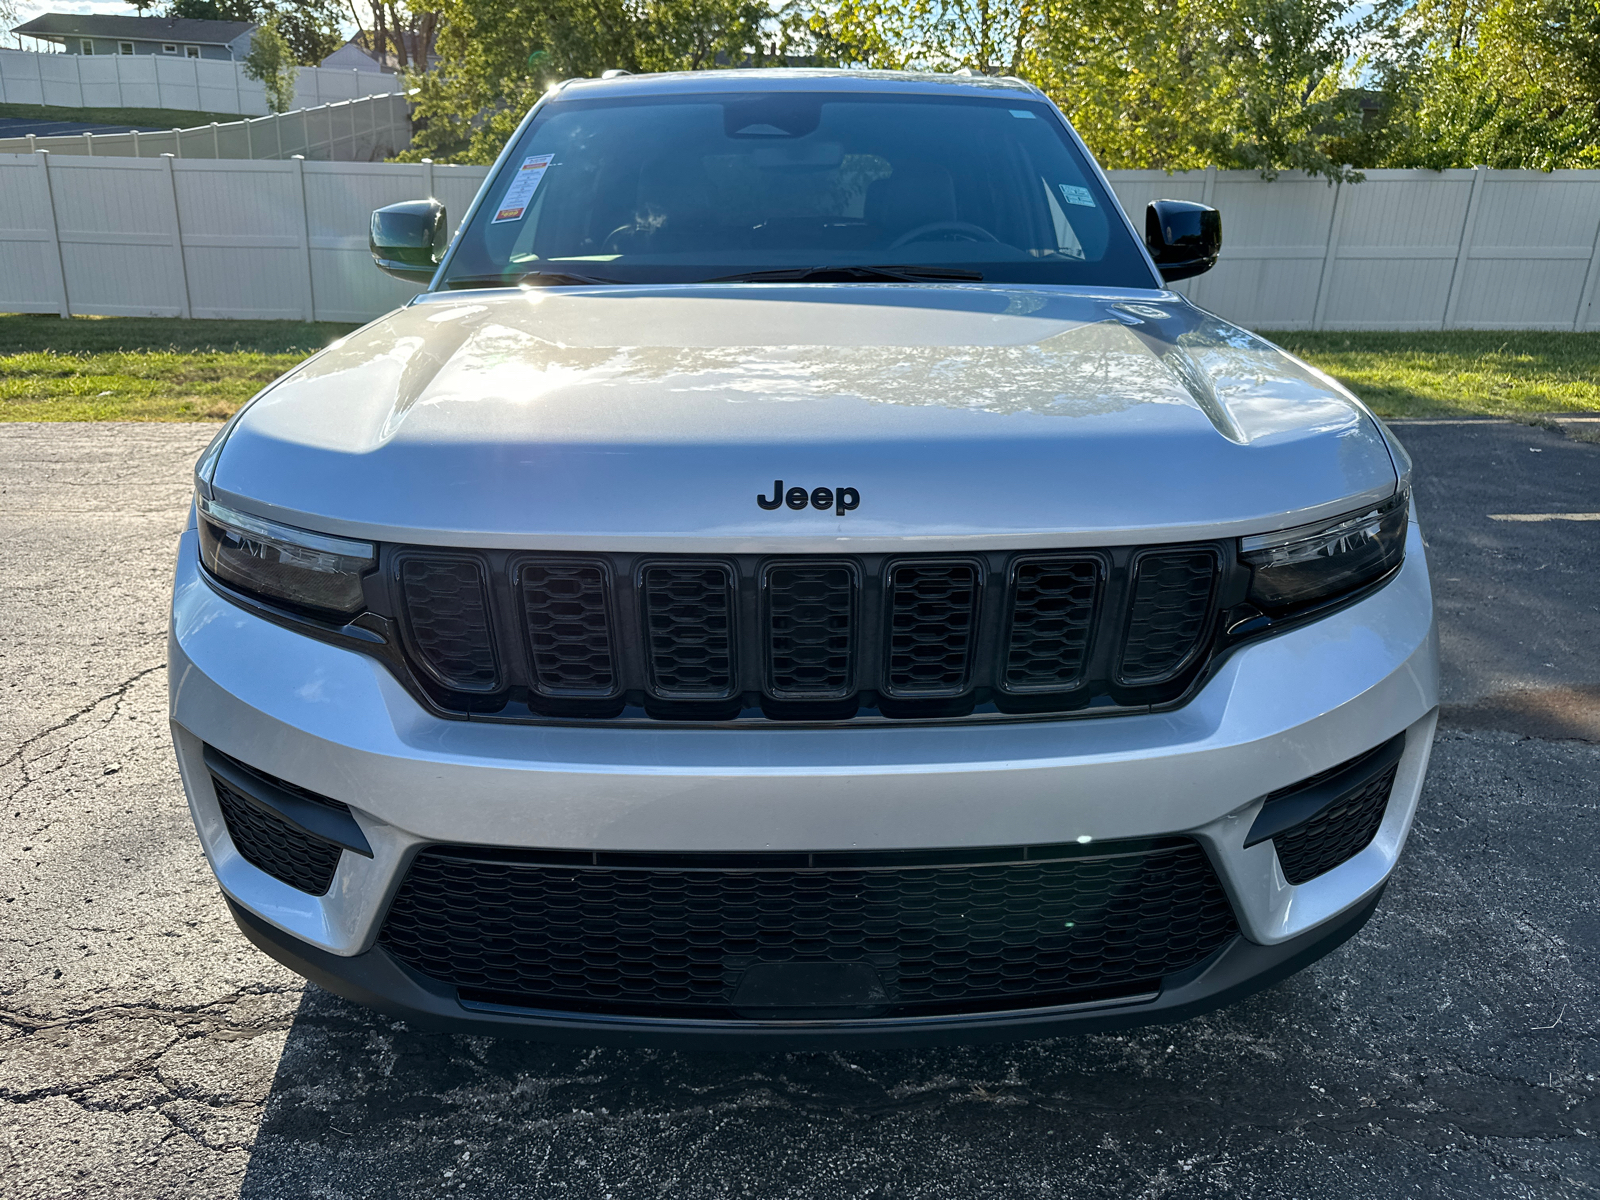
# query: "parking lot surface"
[[147, 1050]]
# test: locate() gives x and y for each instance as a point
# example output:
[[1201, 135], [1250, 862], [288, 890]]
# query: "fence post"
[[88, 144], [277, 128], [116, 69], [1463, 250], [42, 157], [136, 153], [216, 141], [177, 232], [177, 142], [299, 161], [156, 66], [427, 178], [1586, 296], [1330, 255]]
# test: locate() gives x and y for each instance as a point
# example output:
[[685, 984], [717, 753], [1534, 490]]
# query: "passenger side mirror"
[[408, 240], [1184, 238]]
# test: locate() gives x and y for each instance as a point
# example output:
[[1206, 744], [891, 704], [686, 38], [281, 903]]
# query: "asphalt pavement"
[[146, 1050]]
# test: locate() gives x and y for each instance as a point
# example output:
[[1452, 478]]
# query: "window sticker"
[[523, 185], [1021, 114], [1077, 195]]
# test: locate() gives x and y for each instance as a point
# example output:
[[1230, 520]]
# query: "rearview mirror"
[[1184, 238], [408, 240]]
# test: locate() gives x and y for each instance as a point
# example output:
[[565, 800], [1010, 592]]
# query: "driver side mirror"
[[408, 240], [1184, 238]]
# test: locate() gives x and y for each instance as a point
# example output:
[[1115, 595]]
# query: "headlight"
[[278, 562], [1317, 562]]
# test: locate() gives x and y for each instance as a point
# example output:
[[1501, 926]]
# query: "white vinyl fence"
[[1402, 250], [160, 81], [366, 130], [170, 237]]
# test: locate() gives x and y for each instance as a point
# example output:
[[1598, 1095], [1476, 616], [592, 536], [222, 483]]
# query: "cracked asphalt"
[[146, 1050]]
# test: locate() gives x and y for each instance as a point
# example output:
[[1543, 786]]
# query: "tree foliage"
[[271, 63], [1325, 86]]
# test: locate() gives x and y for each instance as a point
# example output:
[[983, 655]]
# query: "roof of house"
[[147, 29]]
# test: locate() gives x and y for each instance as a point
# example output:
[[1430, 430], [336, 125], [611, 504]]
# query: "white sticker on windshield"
[[523, 185], [1077, 195], [1021, 114]]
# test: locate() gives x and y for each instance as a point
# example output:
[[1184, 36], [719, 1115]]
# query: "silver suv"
[[798, 577]]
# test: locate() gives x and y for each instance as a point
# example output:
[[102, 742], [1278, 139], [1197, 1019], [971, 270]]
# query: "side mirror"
[[1184, 238], [408, 240]]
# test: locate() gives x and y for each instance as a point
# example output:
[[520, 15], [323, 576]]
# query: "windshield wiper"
[[909, 273], [531, 279]]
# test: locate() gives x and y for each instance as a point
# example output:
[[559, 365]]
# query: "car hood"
[[652, 418]]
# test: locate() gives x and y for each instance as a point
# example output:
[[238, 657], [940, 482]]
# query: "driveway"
[[146, 1050]]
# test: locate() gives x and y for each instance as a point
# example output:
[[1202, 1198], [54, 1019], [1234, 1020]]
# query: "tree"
[[497, 57], [271, 62]]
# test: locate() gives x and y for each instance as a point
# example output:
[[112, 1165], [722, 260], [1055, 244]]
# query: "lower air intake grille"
[[689, 617], [931, 615], [277, 847], [569, 628], [811, 615], [1033, 926], [448, 610], [1051, 620], [1168, 616], [1337, 833]]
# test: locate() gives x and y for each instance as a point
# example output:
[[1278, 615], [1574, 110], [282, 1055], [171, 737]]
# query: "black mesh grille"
[[1052, 618], [942, 938], [569, 628], [277, 847], [1337, 833], [689, 622], [1169, 614], [448, 611], [811, 624], [931, 614]]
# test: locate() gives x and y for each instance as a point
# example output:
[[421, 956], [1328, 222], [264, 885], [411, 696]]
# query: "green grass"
[[151, 118], [161, 369], [1461, 372], [144, 368]]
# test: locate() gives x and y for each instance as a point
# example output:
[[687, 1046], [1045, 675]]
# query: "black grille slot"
[[1052, 925], [688, 612], [932, 617], [811, 626], [567, 616], [1052, 621], [1336, 834], [1170, 612], [269, 842], [447, 609]]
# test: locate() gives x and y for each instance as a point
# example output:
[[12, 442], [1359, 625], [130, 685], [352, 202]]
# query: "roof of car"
[[809, 79]]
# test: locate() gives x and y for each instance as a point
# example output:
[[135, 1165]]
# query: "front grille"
[[1337, 833], [517, 635], [1170, 611], [1019, 927], [449, 611], [269, 842], [689, 618]]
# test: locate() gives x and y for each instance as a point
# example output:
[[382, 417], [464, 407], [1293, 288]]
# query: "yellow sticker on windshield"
[[523, 185]]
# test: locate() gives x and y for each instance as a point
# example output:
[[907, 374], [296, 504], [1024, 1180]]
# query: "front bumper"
[[336, 723]]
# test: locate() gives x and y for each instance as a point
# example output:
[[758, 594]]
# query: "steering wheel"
[[971, 232]]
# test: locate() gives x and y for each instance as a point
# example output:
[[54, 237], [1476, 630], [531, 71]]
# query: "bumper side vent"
[[1338, 833], [1168, 617], [447, 609], [1052, 620], [265, 840]]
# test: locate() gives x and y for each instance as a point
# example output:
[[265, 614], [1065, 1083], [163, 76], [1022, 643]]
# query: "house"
[[352, 57], [179, 37]]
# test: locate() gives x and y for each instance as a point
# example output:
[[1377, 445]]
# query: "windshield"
[[797, 185]]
